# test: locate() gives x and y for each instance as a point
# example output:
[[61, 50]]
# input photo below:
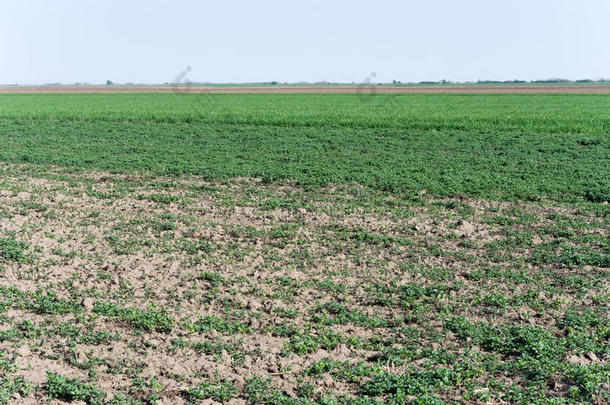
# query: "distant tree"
[[553, 80], [109, 82]]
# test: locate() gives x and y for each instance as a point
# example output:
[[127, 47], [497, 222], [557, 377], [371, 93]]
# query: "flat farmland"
[[304, 248]]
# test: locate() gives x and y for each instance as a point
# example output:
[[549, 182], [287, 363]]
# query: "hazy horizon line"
[[323, 82]]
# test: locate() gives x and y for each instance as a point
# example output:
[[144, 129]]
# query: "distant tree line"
[[540, 81], [398, 82]]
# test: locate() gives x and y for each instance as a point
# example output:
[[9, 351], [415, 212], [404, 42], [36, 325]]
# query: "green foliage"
[[215, 279], [88, 337], [218, 392], [71, 389], [10, 386], [49, 303], [537, 354], [417, 383], [554, 113], [151, 319], [588, 380], [13, 250], [304, 343], [213, 322], [492, 146]]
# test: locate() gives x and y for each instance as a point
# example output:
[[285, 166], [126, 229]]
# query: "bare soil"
[[261, 260]]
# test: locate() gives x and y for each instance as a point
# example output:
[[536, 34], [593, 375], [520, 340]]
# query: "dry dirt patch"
[[184, 290]]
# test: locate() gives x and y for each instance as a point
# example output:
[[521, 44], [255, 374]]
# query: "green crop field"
[[495, 146], [304, 248]]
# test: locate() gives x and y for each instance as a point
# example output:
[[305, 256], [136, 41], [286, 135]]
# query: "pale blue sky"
[[152, 41]]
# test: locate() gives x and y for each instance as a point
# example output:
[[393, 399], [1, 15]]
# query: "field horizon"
[[602, 87]]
